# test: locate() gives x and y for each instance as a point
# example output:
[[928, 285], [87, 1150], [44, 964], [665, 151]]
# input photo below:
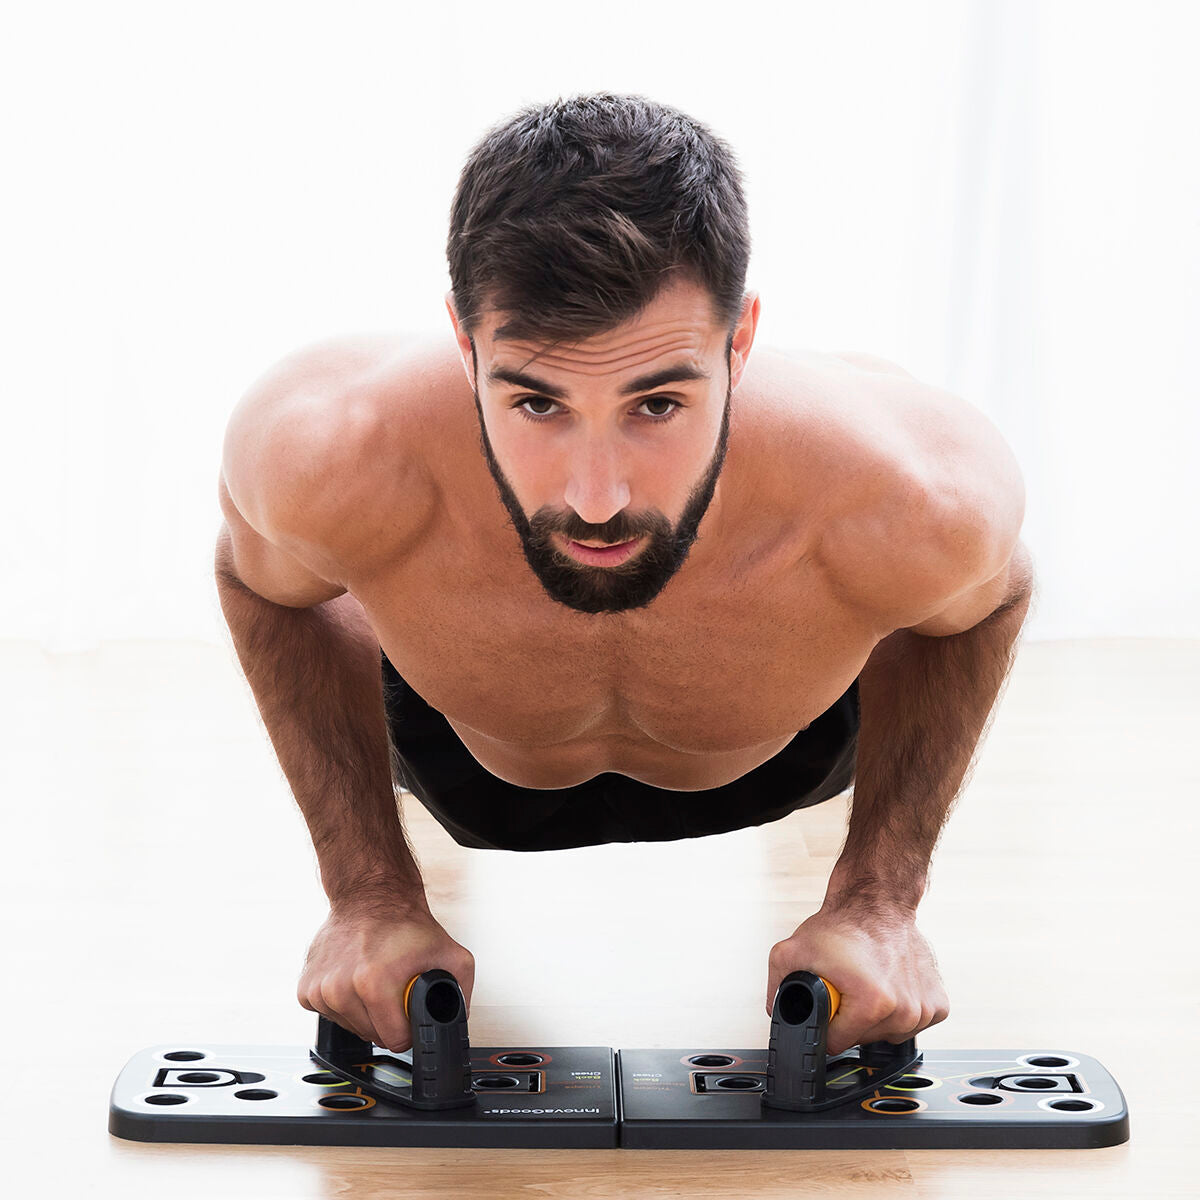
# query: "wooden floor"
[[161, 887]]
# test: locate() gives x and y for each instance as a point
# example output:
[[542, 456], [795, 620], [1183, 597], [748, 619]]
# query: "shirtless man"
[[813, 572]]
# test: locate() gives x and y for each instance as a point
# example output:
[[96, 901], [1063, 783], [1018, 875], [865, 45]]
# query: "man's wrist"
[[871, 888], [378, 891]]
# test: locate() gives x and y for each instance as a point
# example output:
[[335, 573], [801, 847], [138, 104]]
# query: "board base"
[[585, 1098], [527, 1097], [953, 1099]]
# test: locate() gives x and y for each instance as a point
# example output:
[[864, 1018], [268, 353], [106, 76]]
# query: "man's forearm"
[[315, 674], [924, 702]]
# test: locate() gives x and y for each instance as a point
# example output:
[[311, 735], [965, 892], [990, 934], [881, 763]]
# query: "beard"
[[633, 583]]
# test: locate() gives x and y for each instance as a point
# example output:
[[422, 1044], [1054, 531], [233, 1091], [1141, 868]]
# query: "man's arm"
[[951, 567], [315, 675], [925, 695], [308, 652], [949, 582], [290, 490], [924, 700]]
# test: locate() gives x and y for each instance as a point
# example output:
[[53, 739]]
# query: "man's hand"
[[882, 966], [363, 958]]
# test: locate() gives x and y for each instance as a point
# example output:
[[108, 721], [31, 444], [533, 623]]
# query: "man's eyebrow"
[[680, 373]]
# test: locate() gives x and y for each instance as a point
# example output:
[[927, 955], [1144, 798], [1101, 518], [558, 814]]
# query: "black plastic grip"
[[797, 1059], [441, 1052]]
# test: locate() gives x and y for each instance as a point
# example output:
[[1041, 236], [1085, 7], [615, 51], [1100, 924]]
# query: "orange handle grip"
[[835, 997]]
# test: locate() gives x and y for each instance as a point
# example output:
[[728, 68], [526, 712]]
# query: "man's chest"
[[707, 682]]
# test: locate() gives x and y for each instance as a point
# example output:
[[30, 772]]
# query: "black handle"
[[441, 1050], [797, 1059]]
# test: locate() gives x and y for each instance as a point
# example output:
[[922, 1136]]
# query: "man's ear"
[[743, 337], [464, 342]]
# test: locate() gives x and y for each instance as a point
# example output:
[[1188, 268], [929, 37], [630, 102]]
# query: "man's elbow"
[[1022, 581]]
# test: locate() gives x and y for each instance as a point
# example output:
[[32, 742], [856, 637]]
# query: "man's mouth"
[[600, 554]]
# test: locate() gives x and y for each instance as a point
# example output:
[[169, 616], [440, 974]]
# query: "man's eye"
[[540, 415], [663, 400], [534, 400]]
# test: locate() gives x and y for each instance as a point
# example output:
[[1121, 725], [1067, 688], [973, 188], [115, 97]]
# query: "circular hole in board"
[[199, 1077], [256, 1094], [711, 1060], [184, 1055], [1048, 1061], [981, 1098], [905, 1082], [328, 1078], [497, 1081], [343, 1102], [1035, 1083], [738, 1082], [166, 1098], [520, 1060], [1072, 1105], [893, 1104]]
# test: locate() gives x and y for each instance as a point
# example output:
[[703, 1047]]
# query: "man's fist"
[[361, 961], [883, 967]]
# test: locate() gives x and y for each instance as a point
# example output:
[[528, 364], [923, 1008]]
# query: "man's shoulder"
[[330, 438], [349, 384], [914, 481], [842, 445]]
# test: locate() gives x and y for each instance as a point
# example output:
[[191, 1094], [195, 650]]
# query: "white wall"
[[1001, 197]]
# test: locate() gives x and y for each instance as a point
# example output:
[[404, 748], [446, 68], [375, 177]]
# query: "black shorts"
[[479, 810]]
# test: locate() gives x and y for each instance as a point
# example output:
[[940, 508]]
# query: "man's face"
[[588, 451]]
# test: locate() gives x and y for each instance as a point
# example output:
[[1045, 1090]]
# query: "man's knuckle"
[[337, 992], [370, 988], [881, 1006]]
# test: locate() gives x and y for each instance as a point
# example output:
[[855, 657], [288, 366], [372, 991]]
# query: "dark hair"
[[569, 217]]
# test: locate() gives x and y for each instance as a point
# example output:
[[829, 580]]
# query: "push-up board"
[[445, 1092], [653, 1099]]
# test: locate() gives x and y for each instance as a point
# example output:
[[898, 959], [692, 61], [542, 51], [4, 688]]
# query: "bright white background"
[[1002, 197]]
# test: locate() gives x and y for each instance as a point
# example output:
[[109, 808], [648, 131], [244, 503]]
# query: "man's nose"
[[597, 488]]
